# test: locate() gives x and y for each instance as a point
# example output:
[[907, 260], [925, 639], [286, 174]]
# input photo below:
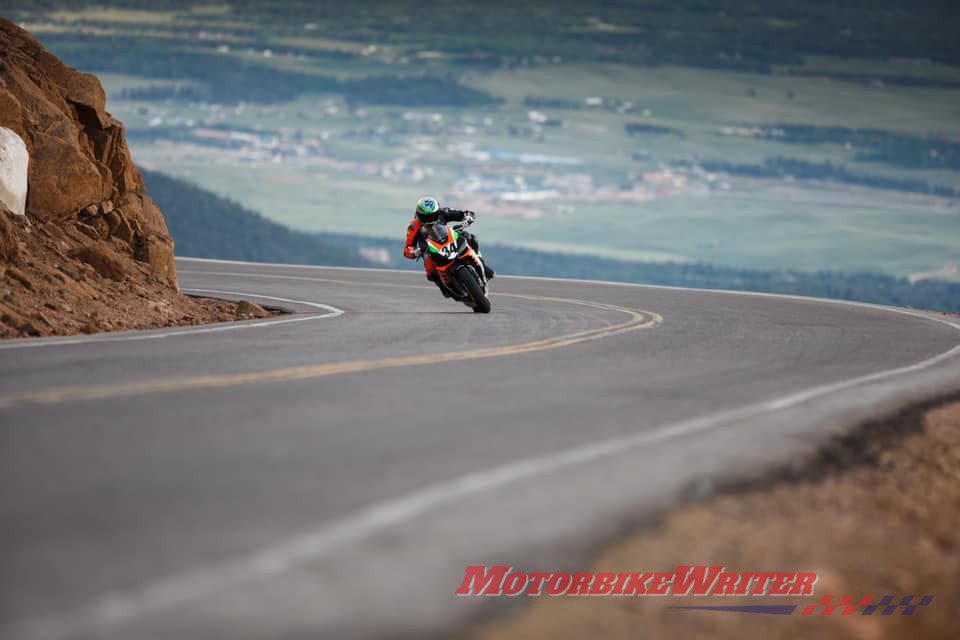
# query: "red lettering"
[[635, 584], [660, 584], [726, 584], [491, 581], [581, 584], [743, 583], [558, 584], [804, 584], [781, 583], [763, 579], [536, 581], [515, 584], [602, 584], [697, 579]]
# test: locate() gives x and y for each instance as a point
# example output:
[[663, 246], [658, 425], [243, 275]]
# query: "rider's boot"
[[434, 278], [488, 270]]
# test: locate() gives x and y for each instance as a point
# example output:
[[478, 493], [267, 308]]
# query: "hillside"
[[205, 225]]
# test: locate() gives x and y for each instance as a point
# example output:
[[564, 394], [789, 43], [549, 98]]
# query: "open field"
[[698, 97]]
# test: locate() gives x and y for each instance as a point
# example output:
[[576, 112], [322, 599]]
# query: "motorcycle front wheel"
[[468, 278]]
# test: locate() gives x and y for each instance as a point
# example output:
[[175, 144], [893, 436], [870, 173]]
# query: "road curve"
[[330, 473]]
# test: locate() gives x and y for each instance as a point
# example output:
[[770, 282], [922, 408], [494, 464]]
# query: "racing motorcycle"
[[459, 266]]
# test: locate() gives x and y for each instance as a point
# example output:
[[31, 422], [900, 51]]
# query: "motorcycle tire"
[[470, 282]]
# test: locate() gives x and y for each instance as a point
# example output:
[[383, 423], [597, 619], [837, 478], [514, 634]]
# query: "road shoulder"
[[873, 513]]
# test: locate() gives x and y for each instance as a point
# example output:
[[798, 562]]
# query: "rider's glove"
[[469, 217]]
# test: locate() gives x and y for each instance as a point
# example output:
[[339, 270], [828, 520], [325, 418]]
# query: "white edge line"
[[119, 607], [132, 336]]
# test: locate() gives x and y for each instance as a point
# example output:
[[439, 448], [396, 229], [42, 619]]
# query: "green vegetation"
[[749, 36], [724, 33], [881, 146], [880, 79], [204, 225]]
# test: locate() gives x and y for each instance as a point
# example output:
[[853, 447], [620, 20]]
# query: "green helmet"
[[428, 210]]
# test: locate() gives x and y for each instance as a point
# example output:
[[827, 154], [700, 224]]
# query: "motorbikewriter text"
[[682, 581]]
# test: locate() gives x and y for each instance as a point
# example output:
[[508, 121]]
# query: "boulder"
[[247, 310], [62, 179], [157, 252], [14, 161]]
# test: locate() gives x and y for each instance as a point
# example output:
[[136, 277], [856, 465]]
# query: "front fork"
[[478, 261]]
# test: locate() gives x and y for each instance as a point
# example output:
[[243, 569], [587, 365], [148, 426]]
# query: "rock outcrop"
[[79, 162], [92, 252], [9, 246]]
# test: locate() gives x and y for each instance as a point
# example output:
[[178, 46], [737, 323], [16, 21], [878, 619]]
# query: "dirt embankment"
[[92, 252], [878, 513]]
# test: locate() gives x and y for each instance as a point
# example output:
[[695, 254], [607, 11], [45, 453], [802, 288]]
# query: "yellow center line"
[[637, 320]]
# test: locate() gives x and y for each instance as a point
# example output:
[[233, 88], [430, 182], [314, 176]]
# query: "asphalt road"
[[331, 473]]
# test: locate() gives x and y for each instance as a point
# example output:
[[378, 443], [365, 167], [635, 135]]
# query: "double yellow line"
[[636, 320]]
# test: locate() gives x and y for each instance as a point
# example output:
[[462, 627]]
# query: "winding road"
[[329, 474]]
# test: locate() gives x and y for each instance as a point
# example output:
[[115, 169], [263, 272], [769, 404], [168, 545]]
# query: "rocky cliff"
[[93, 252]]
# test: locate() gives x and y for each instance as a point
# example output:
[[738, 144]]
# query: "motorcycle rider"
[[428, 213]]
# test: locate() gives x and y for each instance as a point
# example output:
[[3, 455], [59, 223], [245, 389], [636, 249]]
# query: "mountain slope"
[[204, 225]]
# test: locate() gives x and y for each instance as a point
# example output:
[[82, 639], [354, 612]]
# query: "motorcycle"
[[459, 266]]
